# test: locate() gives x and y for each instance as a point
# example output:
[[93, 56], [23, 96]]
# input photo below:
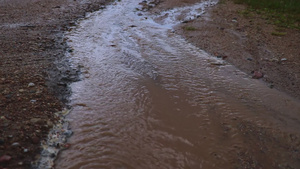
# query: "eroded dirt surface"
[[33, 72], [246, 41]]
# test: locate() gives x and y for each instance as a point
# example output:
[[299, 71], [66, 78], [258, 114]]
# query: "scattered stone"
[[66, 146], [68, 133], [25, 150], [36, 120], [5, 158], [49, 123], [31, 85], [52, 155], [250, 59], [20, 163], [283, 59], [32, 101], [257, 75], [15, 144], [21, 90]]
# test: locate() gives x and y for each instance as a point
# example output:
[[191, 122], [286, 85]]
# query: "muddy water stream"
[[150, 100]]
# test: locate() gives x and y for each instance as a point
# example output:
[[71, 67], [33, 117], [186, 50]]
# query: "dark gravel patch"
[[34, 74]]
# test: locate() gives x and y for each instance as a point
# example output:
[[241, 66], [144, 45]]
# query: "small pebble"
[[31, 85], [15, 144], [5, 158], [283, 59], [257, 75], [32, 101]]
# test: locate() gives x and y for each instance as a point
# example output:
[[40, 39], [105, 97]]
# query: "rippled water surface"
[[150, 100]]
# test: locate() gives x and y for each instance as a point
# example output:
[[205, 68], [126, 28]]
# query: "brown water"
[[150, 100]]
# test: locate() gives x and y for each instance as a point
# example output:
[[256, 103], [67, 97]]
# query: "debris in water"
[[56, 141]]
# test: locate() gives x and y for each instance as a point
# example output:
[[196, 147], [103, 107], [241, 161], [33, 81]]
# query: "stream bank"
[[34, 73]]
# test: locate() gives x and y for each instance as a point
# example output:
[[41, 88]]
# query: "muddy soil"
[[247, 41], [34, 75]]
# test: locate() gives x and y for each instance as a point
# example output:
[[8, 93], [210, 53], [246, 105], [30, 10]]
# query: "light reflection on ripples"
[[152, 100]]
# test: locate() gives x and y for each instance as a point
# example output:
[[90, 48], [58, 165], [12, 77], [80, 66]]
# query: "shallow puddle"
[[149, 99]]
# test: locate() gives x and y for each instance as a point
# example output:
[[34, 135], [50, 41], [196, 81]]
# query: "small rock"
[[49, 123], [52, 155], [20, 163], [283, 59], [32, 101], [15, 144], [66, 146], [250, 59], [21, 90], [31, 85], [36, 120], [68, 133], [5, 158], [25, 150], [224, 57], [257, 75]]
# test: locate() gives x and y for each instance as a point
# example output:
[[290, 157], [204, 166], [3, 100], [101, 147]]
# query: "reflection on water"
[[150, 100]]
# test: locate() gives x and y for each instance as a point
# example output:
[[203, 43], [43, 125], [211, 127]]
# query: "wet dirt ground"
[[32, 50], [150, 99], [33, 73], [246, 41]]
